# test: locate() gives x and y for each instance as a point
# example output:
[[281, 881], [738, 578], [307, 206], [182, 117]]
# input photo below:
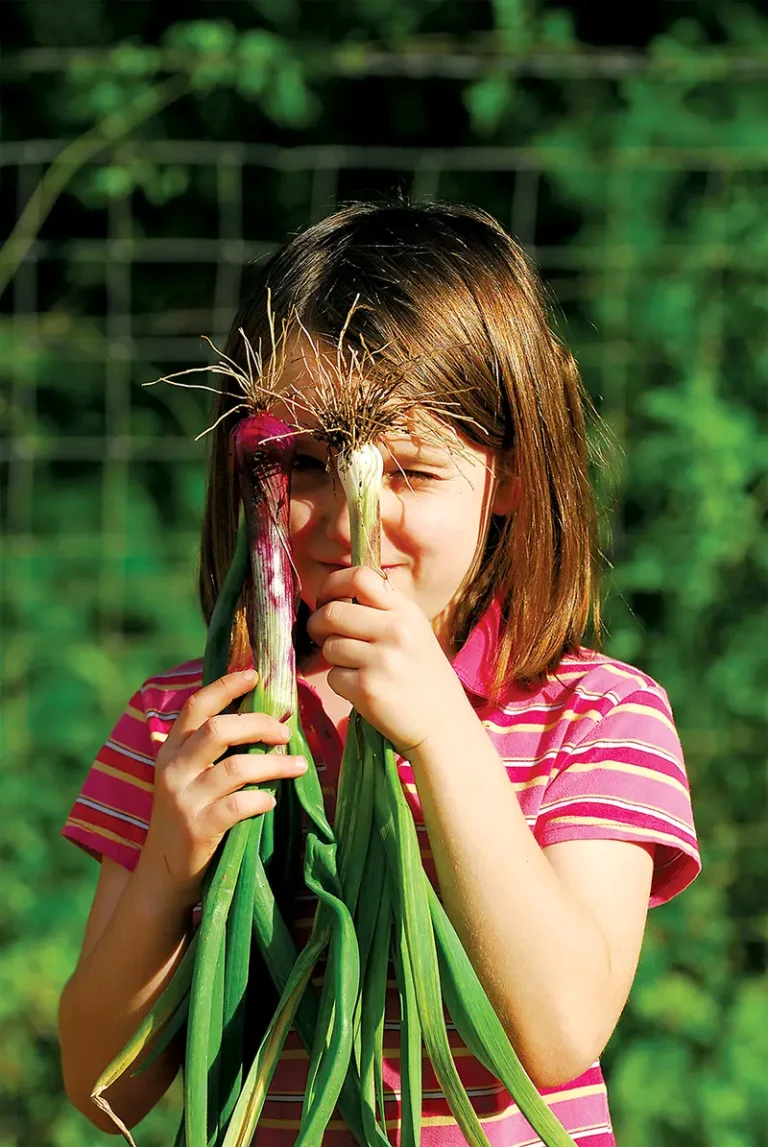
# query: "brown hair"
[[447, 285]]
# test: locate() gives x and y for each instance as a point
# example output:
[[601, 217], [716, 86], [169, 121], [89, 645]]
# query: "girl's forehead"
[[423, 435], [324, 390], [312, 395]]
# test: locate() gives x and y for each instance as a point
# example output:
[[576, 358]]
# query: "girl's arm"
[[137, 931], [140, 923], [554, 935], [554, 938]]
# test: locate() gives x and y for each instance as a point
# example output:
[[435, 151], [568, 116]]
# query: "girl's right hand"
[[196, 800]]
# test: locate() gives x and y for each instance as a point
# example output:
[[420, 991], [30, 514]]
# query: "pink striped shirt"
[[592, 753]]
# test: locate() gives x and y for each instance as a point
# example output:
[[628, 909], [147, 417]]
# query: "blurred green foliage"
[[638, 179]]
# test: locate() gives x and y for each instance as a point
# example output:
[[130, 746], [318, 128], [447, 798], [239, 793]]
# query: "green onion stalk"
[[263, 449], [263, 456], [402, 917], [207, 991], [326, 1027]]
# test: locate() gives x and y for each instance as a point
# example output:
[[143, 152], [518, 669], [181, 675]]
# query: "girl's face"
[[436, 504]]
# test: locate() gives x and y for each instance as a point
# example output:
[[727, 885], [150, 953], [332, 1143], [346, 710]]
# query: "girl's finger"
[[244, 769], [348, 620], [347, 653], [343, 682], [217, 818], [215, 737], [209, 701], [364, 584], [219, 732]]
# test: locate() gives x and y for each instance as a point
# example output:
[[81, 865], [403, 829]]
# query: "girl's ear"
[[506, 497]]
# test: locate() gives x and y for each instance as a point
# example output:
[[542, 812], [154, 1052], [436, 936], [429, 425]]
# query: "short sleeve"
[[110, 816], [626, 780]]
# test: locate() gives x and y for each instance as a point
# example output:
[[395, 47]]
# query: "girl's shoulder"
[[596, 755], [590, 673], [164, 693], [111, 813], [588, 690]]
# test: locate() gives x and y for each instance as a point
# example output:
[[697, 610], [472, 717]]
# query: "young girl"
[[546, 779]]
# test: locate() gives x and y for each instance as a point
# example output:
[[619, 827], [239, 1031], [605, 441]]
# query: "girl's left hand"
[[385, 658]]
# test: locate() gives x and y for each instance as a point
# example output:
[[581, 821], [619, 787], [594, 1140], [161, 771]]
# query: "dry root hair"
[[353, 395]]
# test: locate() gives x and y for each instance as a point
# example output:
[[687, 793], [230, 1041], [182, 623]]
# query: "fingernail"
[[249, 674], [301, 765]]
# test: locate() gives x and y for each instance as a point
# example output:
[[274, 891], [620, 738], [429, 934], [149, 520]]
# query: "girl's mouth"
[[348, 565]]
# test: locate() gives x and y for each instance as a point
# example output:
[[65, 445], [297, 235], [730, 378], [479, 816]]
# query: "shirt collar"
[[475, 662]]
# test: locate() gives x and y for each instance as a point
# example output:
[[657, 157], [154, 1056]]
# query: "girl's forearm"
[[113, 988], [539, 953]]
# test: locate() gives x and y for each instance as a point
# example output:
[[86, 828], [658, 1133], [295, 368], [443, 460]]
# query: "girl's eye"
[[304, 462], [414, 475]]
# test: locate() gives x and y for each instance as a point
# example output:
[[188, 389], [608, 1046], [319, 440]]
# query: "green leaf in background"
[[633, 165]]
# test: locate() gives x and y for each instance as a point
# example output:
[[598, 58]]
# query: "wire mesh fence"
[[651, 245], [131, 297], [250, 196]]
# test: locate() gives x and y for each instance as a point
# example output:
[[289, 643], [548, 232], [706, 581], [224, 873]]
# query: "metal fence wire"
[[653, 243], [130, 347], [116, 291]]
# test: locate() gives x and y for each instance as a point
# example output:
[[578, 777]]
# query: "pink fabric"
[[592, 753]]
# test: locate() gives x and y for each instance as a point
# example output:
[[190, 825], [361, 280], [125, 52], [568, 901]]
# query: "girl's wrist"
[[461, 730], [161, 891]]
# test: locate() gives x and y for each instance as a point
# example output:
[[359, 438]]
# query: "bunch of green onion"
[[375, 902], [223, 1096]]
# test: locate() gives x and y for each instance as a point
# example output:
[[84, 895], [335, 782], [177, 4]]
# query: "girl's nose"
[[337, 525]]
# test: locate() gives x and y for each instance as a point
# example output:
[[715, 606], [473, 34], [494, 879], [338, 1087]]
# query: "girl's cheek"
[[300, 517], [434, 524]]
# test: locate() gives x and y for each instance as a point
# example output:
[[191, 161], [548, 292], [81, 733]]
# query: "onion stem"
[[360, 473]]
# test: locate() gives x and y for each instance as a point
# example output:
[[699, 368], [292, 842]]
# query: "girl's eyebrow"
[[425, 450], [310, 440]]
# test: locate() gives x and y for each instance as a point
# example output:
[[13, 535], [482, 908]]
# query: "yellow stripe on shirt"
[[110, 771], [99, 831]]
